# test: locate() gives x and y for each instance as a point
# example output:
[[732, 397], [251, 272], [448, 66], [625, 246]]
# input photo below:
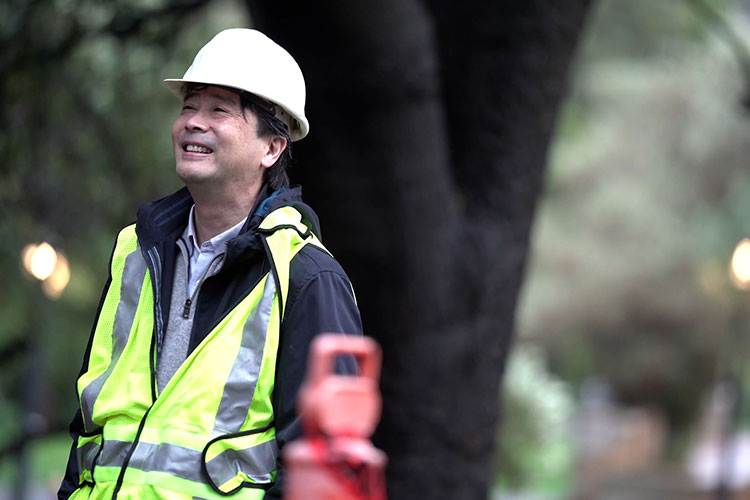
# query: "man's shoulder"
[[320, 292], [311, 261]]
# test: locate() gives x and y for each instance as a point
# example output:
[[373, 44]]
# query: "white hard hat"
[[248, 60]]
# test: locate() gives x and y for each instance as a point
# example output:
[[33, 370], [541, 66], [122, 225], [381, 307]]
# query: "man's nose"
[[196, 121]]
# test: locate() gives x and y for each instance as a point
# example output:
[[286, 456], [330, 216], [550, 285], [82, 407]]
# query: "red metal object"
[[335, 459]]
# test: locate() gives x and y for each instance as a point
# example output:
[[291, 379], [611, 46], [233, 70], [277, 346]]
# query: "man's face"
[[216, 146]]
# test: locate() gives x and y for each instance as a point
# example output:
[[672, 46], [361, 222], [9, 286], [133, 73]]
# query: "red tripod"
[[335, 459]]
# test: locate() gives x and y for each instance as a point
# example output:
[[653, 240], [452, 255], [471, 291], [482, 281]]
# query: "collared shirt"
[[202, 256]]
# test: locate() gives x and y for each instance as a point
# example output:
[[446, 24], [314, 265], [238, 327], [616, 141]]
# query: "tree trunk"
[[429, 131]]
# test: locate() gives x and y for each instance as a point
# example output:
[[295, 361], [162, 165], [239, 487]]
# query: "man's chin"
[[192, 176]]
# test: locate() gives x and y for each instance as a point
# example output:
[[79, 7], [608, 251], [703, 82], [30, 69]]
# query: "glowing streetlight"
[[739, 271], [739, 266], [50, 267], [47, 265], [56, 282]]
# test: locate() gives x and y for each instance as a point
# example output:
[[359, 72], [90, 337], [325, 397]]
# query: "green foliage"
[[642, 29], [535, 446], [45, 458]]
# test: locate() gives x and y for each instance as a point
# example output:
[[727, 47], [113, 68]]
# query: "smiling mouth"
[[194, 148]]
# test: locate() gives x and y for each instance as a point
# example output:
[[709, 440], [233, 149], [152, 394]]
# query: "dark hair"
[[268, 125], [275, 176]]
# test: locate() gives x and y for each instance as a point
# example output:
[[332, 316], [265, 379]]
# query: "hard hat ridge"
[[248, 60]]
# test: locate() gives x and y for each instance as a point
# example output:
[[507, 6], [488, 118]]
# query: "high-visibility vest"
[[210, 432]]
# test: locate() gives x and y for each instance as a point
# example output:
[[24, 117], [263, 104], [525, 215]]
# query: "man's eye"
[[186, 107]]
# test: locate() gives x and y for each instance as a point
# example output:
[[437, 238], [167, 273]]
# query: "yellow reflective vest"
[[210, 432]]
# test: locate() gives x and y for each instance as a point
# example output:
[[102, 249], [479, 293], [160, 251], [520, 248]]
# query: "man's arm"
[[320, 300]]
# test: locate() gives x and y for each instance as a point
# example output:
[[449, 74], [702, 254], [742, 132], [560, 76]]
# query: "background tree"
[[430, 127]]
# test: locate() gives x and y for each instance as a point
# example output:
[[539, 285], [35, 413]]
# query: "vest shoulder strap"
[[284, 236]]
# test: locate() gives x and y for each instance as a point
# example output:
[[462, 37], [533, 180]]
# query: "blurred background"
[[634, 331], [629, 377]]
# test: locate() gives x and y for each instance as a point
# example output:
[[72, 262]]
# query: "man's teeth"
[[192, 148]]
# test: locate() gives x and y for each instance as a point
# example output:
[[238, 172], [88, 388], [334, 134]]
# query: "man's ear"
[[275, 146]]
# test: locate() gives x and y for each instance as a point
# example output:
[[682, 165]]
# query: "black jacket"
[[320, 299]]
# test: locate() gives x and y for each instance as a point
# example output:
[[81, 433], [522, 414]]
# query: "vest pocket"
[[242, 460]]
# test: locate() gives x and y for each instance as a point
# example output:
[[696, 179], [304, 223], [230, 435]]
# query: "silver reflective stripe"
[[257, 462], [114, 453], [240, 385], [169, 458], [130, 292], [86, 455]]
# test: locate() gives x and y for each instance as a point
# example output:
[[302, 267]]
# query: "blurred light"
[[740, 265], [39, 260], [47, 265], [26, 254], [54, 285]]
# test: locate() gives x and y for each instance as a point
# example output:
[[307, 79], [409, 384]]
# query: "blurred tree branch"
[[24, 47]]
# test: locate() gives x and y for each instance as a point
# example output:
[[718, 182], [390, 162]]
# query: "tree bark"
[[429, 131]]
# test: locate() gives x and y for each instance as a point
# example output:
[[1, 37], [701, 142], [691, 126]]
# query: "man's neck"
[[214, 216]]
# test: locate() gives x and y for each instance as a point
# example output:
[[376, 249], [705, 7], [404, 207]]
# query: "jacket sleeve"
[[70, 480], [318, 302]]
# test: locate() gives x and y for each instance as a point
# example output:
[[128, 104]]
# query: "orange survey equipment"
[[335, 459]]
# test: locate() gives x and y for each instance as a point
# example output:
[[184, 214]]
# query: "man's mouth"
[[195, 148]]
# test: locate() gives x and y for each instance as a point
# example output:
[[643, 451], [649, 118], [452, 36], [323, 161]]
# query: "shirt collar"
[[217, 244]]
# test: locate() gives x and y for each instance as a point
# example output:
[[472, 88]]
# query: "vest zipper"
[[209, 271], [186, 308], [187, 257]]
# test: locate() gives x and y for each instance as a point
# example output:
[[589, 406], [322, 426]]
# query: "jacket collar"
[[165, 219]]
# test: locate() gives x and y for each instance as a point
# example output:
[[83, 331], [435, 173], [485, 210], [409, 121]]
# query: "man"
[[190, 378]]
